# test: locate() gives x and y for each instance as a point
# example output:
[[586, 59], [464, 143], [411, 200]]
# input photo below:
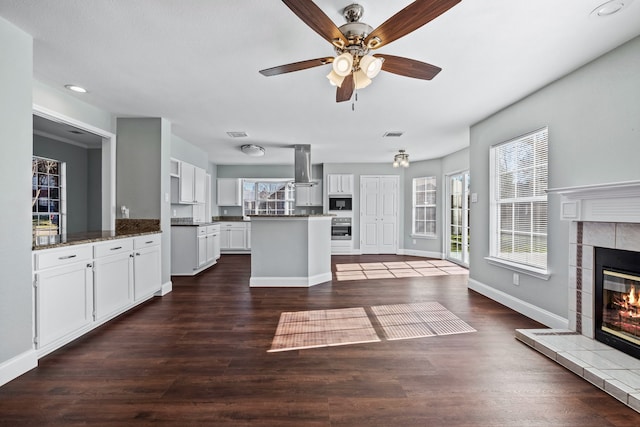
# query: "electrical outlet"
[[414, 241], [516, 279], [175, 213], [224, 211]]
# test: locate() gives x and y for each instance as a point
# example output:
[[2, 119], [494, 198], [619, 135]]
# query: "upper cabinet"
[[191, 183], [229, 192], [309, 196], [340, 184]]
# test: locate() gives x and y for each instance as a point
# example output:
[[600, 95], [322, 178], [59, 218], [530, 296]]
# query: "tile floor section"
[[609, 369], [323, 328], [392, 270]]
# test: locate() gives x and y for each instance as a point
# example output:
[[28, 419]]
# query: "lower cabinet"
[[64, 303], [235, 236], [147, 268], [80, 287], [194, 248]]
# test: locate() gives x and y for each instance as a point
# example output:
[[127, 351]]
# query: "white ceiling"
[[196, 63]]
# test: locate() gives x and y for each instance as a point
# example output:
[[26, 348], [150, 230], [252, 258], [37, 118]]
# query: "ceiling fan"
[[353, 67]]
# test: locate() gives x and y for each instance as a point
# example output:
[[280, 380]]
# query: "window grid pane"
[[424, 206], [520, 205], [268, 198]]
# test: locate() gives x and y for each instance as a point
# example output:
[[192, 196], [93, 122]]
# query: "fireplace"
[[617, 299]]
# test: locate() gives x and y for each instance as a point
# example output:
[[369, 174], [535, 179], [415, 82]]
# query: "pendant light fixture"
[[401, 159]]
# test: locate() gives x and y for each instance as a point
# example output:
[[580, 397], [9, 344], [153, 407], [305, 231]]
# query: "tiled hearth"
[[605, 216]]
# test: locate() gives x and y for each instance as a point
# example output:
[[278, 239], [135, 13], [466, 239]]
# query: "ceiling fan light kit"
[[353, 67]]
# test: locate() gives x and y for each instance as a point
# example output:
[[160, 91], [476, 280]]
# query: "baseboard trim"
[[165, 289], [16, 366], [424, 254], [538, 314], [288, 282]]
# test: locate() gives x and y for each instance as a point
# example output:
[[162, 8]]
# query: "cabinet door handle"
[[150, 241], [67, 257], [131, 256], [137, 253], [116, 248]]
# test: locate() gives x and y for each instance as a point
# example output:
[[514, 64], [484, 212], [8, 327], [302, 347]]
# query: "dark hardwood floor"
[[198, 356]]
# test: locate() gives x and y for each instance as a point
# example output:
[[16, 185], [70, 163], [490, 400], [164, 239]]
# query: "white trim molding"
[[613, 202], [289, 282], [16, 366], [538, 314]]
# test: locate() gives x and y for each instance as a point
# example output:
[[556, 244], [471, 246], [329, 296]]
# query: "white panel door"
[[379, 214]]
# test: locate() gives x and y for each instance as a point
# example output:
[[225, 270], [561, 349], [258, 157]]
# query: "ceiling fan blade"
[[344, 92], [296, 66], [315, 18], [407, 20], [408, 67]]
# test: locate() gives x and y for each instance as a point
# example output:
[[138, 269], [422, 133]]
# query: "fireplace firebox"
[[617, 299]]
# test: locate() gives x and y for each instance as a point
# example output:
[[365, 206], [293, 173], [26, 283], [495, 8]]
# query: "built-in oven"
[[340, 228], [339, 203]]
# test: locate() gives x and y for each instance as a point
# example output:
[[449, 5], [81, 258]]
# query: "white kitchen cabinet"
[[233, 236], [147, 267], [194, 248], [309, 196], [200, 186], [79, 287], [63, 283], [113, 277], [192, 186], [229, 192], [341, 184]]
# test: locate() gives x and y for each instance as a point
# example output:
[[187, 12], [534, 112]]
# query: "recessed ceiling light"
[[237, 134], [610, 8], [392, 134], [76, 88]]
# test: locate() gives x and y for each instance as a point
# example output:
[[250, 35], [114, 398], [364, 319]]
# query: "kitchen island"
[[290, 250]]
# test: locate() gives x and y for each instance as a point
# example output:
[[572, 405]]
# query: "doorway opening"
[[457, 227]]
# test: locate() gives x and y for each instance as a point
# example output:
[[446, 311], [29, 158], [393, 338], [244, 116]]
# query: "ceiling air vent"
[[237, 134], [392, 134]]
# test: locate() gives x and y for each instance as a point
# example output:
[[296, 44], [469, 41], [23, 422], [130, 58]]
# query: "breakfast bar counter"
[[290, 250]]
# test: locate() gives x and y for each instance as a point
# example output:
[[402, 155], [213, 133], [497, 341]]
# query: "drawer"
[[236, 225], [112, 247], [146, 241], [62, 256], [202, 231], [213, 228]]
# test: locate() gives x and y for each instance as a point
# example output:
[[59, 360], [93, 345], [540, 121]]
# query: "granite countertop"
[[191, 223], [230, 218], [125, 227], [48, 242]]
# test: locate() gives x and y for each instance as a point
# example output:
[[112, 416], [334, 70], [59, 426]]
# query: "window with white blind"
[[424, 207], [519, 201]]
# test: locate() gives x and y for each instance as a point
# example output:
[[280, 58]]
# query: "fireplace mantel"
[[614, 202]]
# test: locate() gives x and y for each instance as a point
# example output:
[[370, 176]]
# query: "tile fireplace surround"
[[601, 216]]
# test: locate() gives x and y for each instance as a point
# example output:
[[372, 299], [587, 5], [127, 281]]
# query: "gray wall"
[[94, 188], [418, 170], [593, 116], [142, 175], [16, 306], [81, 181]]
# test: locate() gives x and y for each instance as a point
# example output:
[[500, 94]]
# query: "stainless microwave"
[[339, 203]]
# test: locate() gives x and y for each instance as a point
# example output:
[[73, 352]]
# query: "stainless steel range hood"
[[302, 166]]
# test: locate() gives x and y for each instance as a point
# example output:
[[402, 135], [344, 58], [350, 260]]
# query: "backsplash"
[[133, 225]]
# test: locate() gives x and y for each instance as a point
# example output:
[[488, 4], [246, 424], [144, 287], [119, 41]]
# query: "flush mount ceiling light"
[[610, 8], [252, 150], [401, 159], [353, 67], [76, 88]]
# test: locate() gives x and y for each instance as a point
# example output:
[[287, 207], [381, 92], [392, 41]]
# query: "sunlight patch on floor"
[[324, 328], [392, 270]]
